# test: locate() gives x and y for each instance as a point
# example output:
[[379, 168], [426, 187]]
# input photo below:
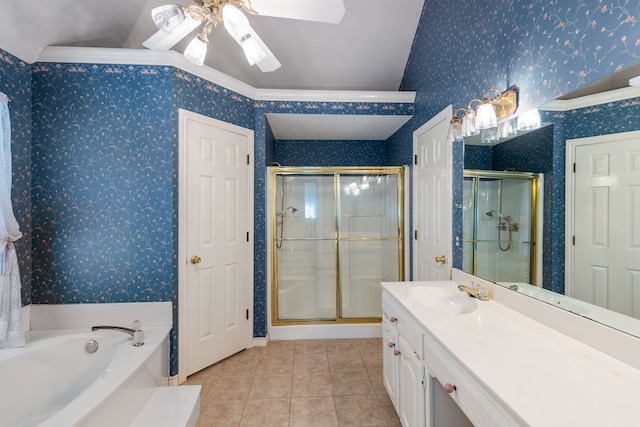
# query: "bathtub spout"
[[136, 334]]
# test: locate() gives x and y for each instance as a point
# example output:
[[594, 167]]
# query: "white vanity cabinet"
[[405, 375]]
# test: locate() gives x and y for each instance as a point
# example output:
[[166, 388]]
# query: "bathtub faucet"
[[136, 333]]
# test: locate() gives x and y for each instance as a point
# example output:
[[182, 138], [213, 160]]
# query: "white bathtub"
[[53, 381]]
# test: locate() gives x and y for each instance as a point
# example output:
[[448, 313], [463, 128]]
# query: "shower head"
[[293, 210], [499, 215]]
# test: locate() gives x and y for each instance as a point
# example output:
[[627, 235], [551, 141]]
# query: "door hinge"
[[415, 159], [248, 159], [415, 234], [573, 239], [247, 236], [247, 314], [574, 167], [424, 381]]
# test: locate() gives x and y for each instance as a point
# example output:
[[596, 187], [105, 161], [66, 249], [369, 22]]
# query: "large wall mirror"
[[527, 243]]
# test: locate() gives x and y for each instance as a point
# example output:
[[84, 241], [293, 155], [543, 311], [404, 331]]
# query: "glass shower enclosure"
[[500, 226], [336, 233]]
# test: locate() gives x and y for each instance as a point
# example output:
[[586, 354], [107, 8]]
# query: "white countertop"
[[546, 377]]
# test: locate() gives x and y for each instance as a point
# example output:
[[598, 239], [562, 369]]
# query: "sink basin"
[[443, 300]]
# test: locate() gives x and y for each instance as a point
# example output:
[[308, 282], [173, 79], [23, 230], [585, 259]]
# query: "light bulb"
[[507, 129], [529, 120], [197, 50], [455, 130], [167, 17], [235, 22], [469, 123], [252, 50], [486, 116]]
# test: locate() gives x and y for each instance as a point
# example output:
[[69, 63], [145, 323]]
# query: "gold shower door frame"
[[533, 250], [336, 172]]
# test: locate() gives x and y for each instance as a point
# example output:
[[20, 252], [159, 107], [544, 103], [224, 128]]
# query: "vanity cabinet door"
[[412, 401], [390, 360]]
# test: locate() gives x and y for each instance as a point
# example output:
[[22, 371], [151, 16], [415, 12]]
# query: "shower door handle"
[[441, 259]]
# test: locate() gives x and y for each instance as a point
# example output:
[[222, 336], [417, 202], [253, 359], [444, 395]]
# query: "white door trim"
[[185, 115], [571, 145]]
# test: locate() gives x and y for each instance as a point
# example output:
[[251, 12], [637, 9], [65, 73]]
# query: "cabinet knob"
[[390, 344], [396, 352], [449, 388], [393, 319]]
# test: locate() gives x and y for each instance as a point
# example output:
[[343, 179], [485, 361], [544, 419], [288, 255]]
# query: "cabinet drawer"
[[481, 409], [407, 327]]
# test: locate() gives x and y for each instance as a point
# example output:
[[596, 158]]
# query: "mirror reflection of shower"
[[504, 223], [501, 240]]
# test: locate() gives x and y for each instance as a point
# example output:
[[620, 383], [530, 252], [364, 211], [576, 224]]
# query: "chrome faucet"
[[136, 333], [477, 292]]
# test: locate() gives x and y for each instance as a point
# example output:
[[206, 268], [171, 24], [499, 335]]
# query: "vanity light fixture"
[[455, 127], [211, 12], [494, 108], [529, 120], [469, 120]]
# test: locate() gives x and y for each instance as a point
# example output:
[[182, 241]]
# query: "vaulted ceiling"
[[367, 50]]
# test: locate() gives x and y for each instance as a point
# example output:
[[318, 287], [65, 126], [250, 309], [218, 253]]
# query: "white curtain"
[[11, 332]]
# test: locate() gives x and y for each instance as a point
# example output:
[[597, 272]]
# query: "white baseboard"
[[305, 332], [260, 342]]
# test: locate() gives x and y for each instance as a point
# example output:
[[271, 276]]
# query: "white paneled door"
[[606, 221], [432, 203], [217, 249]]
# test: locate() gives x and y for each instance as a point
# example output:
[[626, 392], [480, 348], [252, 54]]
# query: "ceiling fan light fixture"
[[167, 17], [196, 51], [252, 50], [235, 22]]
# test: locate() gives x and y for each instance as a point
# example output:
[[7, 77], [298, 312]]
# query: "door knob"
[[441, 259], [195, 259]]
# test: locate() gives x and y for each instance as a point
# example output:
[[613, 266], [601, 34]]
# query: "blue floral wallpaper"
[[330, 153], [545, 48], [103, 156], [102, 183], [15, 82]]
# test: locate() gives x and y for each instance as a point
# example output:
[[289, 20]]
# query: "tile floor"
[[298, 383]]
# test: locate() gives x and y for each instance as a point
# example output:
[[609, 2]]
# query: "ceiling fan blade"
[[270, 62], [330, 11], [164, 41]]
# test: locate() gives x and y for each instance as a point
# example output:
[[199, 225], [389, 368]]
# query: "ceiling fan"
[[175, 22]]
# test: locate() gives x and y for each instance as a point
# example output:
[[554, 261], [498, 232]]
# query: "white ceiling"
[[334, 126], [367, 51]]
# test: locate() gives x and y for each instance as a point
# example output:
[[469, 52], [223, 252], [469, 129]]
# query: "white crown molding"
[[591, 100], [99, 55], [334, 96]]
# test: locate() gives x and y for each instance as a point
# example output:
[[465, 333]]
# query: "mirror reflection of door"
[[606, 222]]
